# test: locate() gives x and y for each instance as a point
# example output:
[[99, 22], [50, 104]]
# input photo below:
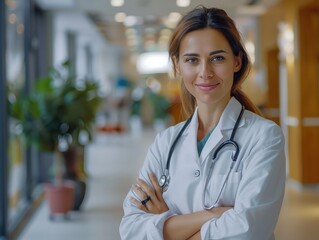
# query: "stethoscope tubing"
[[208, 207], [164, 180]]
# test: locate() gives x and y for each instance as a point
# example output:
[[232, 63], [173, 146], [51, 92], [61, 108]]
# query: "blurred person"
[[221, 173]]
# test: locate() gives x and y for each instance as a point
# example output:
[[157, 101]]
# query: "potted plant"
[[56, 117], [160, 106]]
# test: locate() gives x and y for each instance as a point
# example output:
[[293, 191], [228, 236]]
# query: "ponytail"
[[188, 101], [245, 101]]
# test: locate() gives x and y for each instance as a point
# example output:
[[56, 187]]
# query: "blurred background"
[[86, 85]]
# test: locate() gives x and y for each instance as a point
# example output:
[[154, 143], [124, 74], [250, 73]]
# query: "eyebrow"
[[211, 53]]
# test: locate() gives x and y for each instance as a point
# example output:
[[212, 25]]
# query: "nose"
[[206, 72]]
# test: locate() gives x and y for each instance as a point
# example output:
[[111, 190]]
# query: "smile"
[[207, 86]]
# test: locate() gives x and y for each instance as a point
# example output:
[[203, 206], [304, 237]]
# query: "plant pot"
[[74, 163], [73, 174], [60, 198], [79, 194]]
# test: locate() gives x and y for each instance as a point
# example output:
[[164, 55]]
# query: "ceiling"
[[151, 27]]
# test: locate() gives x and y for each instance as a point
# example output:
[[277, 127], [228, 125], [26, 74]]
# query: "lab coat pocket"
[[222, 190]]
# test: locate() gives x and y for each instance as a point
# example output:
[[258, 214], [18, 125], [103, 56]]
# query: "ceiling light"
[[117, 3], [183, 3], [132, 21], [172, 19], [12, 18], [152, 62], [120, 17]]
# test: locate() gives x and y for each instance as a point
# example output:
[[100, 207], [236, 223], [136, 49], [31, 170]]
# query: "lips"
[[207, 86]]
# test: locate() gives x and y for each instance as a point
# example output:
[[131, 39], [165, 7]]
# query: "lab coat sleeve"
[[136, 224], [259, 196]]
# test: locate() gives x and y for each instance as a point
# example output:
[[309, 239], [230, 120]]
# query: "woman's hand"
[[152, 195]]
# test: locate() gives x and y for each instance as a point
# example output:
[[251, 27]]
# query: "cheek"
[[188, 77], [224, 73], [187, 74]]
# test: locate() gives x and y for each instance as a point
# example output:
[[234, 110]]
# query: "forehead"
[[204, 40]]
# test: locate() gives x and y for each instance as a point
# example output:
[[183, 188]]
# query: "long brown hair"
[[201, 18]]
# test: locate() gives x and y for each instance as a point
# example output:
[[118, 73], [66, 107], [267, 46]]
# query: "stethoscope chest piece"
[[163, 182]]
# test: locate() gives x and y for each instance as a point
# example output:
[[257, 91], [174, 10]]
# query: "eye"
[[191, 60], [217, 58]]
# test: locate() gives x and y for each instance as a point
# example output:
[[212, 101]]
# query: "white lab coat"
[[255, 187]]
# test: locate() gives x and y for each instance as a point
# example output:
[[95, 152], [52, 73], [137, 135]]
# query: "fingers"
[[138, 204], [157, 188], [154, 181], [144, 194], [148, 190], [141, 199], [148, 197], [141, 194]]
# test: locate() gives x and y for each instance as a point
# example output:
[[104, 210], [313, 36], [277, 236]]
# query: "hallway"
[[112, 165]]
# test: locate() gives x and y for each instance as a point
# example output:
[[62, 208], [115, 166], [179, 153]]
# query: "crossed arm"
[[177, 227]]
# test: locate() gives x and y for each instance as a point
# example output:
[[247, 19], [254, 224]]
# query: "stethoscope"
[[165, 178]]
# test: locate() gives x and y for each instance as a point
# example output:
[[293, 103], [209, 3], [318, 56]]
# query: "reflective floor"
[[112, 164], [299, 219]]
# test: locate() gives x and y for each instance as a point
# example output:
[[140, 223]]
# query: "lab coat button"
[[197, 173]]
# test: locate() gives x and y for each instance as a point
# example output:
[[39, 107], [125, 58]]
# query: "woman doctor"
[[209, 193]]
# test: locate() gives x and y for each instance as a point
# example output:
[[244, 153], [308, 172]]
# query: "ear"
[[238, 63]]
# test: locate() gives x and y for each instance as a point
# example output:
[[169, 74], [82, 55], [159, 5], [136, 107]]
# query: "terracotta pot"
[[60, 198]]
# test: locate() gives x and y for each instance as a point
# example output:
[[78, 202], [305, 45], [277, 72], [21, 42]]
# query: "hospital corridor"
[[86, 86], [113, 164]]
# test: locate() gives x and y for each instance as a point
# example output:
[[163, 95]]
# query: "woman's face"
[[207, 65]]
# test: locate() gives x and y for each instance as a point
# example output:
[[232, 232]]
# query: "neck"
[[208, 117]]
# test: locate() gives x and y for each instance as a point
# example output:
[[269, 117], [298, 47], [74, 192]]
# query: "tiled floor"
[[112, 165]]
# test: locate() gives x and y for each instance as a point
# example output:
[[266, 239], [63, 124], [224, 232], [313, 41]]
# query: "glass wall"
[[16, 185], [15, 75], [3, 126]]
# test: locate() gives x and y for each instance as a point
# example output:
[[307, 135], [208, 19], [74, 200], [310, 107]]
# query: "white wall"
[[106, 58]]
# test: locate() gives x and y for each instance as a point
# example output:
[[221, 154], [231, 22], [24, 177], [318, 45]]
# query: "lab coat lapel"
[[230, 115], [190, 142], [224, 127], [213, 141]]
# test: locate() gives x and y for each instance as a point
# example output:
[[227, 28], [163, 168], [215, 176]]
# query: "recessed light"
[[120, 17], [117, 3], [183, 3]]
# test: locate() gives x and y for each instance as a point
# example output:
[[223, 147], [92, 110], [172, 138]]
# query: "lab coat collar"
[[226, 122], [230, 115]]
